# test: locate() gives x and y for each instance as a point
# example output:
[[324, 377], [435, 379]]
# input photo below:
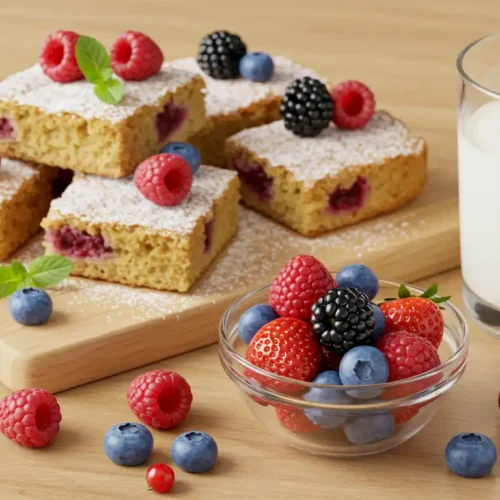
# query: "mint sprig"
[[93, 61], [44, 271]]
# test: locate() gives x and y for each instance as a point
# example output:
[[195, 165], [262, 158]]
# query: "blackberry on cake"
[[239, 103], [317, 184], [220, 53], [343, 319], [112, 232], [307, 107]]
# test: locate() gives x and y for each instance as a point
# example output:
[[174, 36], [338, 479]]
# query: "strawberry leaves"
[[430, 293]]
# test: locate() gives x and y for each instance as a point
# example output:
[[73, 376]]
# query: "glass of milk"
[[479, 178]]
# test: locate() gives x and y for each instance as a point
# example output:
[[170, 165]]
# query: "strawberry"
[[286, 347], [419, 315], [295, 421]]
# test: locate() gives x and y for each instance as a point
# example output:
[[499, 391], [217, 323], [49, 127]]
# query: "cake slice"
[[315, 185], [237, 104], [66, 124], [25, 194], [111, 232]]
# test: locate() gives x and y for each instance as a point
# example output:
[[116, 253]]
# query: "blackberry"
[[343, 319], [220, 53], [307, 107]]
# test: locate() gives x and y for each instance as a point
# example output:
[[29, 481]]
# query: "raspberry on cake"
[[66, 124], [315, 185], [112, 232], [237, 104], [25, 194]]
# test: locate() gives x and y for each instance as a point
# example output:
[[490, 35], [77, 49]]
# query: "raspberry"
[[299, 285], [408, 355], [160, 399], [295, 421], [134, 56], [30, 417], [354, 105], [58, 60], [165, 179]]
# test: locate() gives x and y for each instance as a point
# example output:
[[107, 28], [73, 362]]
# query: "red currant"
[[160, 478]]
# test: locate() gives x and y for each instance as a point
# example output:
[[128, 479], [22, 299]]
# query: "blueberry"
[[128, 444], [186, 151], [471, 455], [253, 319], [369, 428], [379, 322], [257, 67], [194, 451], [30, 306], [364, 365], [328, 419], [360, 277]]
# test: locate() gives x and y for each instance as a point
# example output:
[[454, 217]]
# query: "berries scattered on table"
[[128, 444], [30, 306], [257, 67], [471, 455], [164, 179], [299, 285], [408, 355], [286, 347], [296, 421], [418, 315], [379, 318], [354, 105], [220, 53], [30, 417], [253, 319], [160, 478], [194, 451], [359, 277], [160, 398], [364, 365], [186, 151], [343, 319], [135, 56], [57, 58], [369, 428], [327, 419], [307, 107]]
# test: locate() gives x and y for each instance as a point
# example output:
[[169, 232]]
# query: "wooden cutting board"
[[99, 329]]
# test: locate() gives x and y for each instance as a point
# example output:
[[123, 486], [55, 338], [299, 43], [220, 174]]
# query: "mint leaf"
[[8, 281], [18, 269], [106, 74], [403, 292], [430, 292], [92, 58], [110, 92], [49, 270]]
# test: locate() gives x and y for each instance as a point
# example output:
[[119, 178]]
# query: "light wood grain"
[[406, 52]]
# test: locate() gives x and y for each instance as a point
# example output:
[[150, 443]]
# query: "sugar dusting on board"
[[260, 249]]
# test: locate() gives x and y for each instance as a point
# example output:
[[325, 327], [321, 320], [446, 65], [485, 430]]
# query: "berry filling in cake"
[[254, 178], [349, 199], [209, 230], [6, 128], [169, 120], [76, 244]]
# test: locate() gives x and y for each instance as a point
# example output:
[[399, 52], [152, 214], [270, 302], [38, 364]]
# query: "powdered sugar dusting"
[[312, 159], [33, 88], [225, 97], [100, 200], [253, 257], [12, 175]]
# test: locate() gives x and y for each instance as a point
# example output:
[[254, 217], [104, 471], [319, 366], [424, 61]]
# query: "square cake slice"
[[315, 185], [67, 125], [25, 194], [111, 232], [238, 104]]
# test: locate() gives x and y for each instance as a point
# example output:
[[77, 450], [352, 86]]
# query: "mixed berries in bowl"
[[342, 364]]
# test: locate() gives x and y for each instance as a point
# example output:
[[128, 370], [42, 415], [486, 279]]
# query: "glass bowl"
[[378, 418]]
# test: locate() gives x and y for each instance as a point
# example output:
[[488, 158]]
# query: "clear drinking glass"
[[479, 178]]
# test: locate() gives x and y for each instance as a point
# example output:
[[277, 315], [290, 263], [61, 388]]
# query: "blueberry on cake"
[[314, 184]]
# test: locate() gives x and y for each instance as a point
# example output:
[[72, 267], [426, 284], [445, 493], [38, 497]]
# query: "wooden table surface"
[[406, 52]]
